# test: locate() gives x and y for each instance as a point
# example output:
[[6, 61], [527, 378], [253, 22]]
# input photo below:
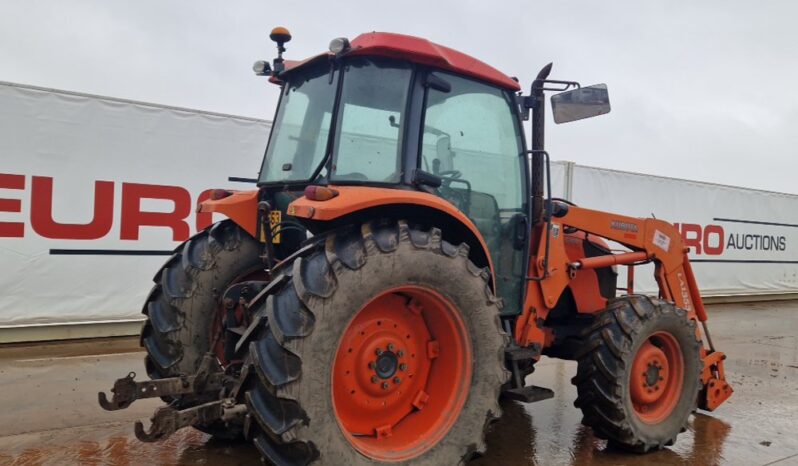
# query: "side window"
[[373, 100], [368, 145], [472, 141]]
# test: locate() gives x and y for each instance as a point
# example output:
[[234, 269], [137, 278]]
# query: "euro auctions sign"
[[95, 193], [41, 220], [714, 240]]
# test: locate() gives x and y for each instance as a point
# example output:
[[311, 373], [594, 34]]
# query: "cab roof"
[[418, 50]]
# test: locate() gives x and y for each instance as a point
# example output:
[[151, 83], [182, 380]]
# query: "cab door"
[[473, 141]]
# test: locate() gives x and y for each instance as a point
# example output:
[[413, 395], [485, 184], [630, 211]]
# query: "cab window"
[[373, 100], [472, 141]]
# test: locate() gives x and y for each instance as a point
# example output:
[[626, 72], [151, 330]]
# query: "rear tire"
[[296, 413], [181, 307], [639, 373]]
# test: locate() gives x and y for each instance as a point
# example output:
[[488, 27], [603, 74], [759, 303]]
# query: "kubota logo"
[[42, 221]]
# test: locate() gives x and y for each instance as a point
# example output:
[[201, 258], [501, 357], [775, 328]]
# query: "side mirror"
[[585, 102]]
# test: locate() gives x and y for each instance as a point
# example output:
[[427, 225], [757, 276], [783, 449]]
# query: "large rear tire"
[[639, 373], [182, 305], [383, 345]]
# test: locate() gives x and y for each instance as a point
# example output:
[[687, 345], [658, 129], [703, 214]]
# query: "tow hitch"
[[209, 379], [167, 420]]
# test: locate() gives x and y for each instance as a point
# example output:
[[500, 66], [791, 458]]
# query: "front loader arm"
[[650, 240]]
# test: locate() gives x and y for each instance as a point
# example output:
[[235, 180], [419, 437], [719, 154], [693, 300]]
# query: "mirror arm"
[[540, 85]]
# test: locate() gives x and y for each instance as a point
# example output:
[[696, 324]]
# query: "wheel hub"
[[652, 374], [656, 377], [386, 365]]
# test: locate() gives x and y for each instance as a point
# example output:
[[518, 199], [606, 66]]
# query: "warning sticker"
[[662, 240], [275, 217]]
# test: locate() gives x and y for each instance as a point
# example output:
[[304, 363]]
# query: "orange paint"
[[241, 207], [352, 199]]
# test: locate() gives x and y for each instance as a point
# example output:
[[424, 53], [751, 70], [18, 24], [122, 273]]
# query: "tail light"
[[320, 193]]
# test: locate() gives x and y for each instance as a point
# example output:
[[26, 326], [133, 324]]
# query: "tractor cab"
[[399, 112], [395, 111]]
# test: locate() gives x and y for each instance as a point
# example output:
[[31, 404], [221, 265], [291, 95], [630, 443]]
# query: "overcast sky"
[[700, 90]]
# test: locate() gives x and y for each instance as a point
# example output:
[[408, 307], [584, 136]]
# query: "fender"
[[240, 206], [351, 199]]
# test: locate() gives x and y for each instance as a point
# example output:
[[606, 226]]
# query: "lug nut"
[[385, 385], [400, 353], [378, 351], [397, 380], [373, 379], [372, 365], [403, 367], [390, 346]]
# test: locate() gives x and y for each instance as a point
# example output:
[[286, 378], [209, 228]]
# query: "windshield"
[[299, 136], [369, 121]]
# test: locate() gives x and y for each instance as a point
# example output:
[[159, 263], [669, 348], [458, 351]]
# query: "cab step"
[[528, 394]]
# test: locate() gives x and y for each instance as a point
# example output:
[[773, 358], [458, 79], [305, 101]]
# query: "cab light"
[[261, 68], [339, 45], [320, 193]]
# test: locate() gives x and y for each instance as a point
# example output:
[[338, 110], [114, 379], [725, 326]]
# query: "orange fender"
[[241, 207], [352, 199]]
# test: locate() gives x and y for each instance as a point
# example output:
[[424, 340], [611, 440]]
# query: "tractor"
[[402, 266]]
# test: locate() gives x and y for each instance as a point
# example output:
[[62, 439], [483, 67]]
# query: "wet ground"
[[49, 412]]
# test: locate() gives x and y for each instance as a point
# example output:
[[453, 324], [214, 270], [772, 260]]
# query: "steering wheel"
[[447, 176], [451, 174]]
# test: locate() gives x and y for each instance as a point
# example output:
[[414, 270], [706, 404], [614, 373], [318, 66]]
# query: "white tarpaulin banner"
[[95, 192], [87, 183]]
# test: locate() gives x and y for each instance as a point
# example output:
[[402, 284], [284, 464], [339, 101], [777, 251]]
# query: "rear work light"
[[320, 193]]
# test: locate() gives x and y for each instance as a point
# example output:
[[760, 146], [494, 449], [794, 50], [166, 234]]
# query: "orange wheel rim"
[[401, 373], [657, 377]]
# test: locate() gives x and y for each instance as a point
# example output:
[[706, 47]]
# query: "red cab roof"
[[422, 51]]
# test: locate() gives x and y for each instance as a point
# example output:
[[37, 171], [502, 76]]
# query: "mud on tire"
[[604, 365], [182, 304], [288, 387]]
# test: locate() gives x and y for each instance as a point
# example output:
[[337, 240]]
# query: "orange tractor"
[[401, 267]]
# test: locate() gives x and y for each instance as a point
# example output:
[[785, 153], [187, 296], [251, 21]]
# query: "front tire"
[[385, 345], [639, 373]]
